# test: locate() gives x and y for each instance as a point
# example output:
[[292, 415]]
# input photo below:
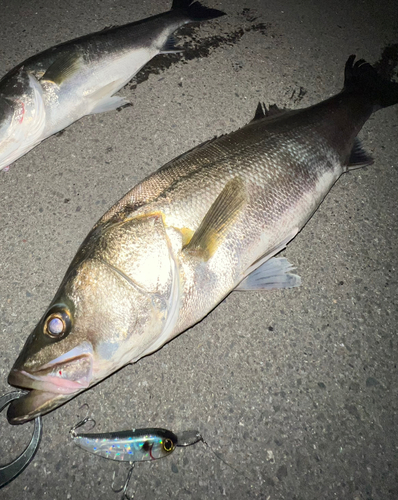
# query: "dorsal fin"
[[260, 113], [263, 112]]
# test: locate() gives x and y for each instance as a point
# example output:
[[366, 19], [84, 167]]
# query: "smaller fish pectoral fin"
[[218, 220], [63, 68]]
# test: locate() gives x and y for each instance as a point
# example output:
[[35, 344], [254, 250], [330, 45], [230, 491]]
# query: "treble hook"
[[72, 430], [10, 471], [126, 483]]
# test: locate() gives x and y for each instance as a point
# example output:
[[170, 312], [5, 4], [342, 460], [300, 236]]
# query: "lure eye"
[[168, 445], [57, 324]]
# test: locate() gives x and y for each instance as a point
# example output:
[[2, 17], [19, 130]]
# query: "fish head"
[[8, 112], [22, 115], [112, 308]]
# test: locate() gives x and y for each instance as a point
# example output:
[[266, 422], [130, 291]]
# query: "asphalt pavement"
[[296, 390]]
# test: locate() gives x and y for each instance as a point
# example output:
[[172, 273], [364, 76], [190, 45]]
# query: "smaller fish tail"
[[195, 10], [361, 77]]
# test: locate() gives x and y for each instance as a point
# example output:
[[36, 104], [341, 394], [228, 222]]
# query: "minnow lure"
[[136, 445]]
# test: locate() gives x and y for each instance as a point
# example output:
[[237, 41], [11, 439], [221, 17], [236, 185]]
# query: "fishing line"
[[222, 459]]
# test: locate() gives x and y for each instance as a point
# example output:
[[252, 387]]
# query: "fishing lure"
[[136, 445]]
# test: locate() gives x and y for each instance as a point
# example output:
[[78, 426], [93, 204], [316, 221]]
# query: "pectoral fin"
[[63, 68], [273, 274], [218, 220]]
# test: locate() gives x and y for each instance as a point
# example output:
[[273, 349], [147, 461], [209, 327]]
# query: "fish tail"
[[361, 77], [195, 10]]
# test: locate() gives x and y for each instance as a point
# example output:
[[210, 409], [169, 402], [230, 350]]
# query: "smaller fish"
[[136, 445], [51, 90]]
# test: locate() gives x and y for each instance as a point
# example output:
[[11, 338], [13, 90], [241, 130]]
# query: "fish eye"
[[168, 445], [57, 324]]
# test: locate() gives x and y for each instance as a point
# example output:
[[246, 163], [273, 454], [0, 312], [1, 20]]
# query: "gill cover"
[[22, 115]]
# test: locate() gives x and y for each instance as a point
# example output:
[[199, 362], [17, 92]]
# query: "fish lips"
[[33, 404], [51, 385]]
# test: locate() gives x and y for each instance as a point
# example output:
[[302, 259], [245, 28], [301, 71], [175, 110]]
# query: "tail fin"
[[195, 10], [362, 78]]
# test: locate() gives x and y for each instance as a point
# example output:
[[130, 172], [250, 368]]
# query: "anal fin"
[[272, 274]]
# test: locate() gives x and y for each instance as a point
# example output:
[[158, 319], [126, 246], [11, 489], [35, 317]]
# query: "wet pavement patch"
[[388, 62], [195, 47]]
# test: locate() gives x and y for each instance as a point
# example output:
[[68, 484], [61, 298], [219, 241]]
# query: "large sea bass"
[[53, 89], [206, 223]]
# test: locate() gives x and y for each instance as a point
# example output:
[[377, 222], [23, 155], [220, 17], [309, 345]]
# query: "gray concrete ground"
[[297, 389]]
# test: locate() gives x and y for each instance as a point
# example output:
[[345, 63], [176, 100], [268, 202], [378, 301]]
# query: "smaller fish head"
[[8, 112], [22, 116], [6, 115]]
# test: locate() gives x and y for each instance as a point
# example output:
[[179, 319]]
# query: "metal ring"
[[10, 471]]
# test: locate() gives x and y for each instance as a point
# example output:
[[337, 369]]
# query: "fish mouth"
[[51, 385], [33, 404]]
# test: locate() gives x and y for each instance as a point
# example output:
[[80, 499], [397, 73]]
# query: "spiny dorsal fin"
[[358, 156], [263, 112], [215, 224], [260, 113]]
